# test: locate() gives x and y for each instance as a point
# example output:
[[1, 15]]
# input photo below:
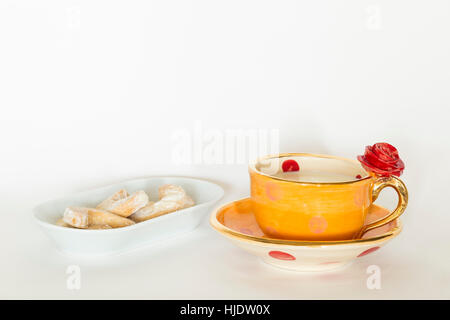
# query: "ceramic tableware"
[[325, 198], [112, 241], [237, 222]]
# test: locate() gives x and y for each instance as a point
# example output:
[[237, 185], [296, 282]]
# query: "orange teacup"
[[326, 199]]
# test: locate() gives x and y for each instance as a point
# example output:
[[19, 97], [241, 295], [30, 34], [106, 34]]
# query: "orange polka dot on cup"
[[273, 191], [362, 197], [317, 224]]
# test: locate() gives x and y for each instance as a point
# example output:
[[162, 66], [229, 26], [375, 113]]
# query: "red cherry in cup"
[[290, 166]]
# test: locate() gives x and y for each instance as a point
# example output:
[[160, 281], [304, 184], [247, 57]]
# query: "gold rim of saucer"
[[241, 236], [252, 167]]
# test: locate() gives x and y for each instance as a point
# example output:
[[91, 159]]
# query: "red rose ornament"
[[382, 159]]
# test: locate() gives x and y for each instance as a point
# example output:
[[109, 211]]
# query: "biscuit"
[[99, 226], [103, 217], [155, 209], [106, 204], [171, 192], [125, 206], [172, 198], [76, 217], [188, 202], [61, 223]]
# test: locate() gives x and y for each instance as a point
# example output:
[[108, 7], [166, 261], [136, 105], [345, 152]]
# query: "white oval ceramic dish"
[[237, 223], [112, 241]]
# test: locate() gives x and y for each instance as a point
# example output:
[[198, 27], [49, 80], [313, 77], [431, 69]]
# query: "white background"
[[92, 91]]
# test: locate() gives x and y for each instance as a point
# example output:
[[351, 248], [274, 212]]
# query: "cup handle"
[[402, 193]]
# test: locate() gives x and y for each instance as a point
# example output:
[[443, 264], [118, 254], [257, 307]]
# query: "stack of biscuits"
[[122, 209]]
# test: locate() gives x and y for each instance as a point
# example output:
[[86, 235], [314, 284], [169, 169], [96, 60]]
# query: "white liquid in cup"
[[315, 176]]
